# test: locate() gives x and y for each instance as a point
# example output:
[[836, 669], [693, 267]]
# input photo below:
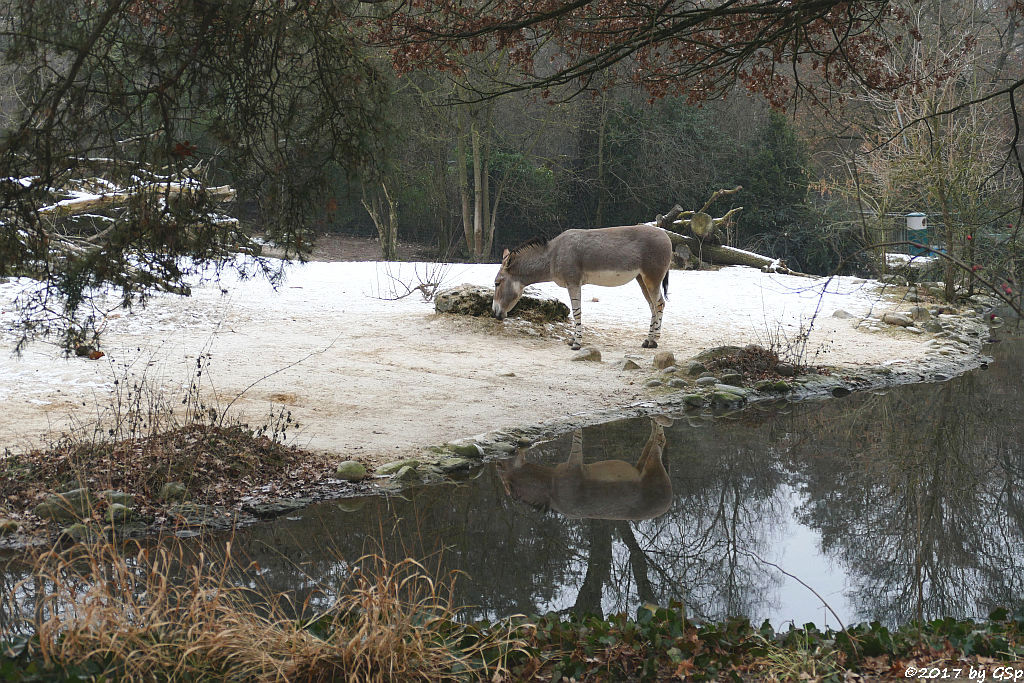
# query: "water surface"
[[888, 505]]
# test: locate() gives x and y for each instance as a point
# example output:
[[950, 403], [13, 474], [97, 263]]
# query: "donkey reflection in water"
[[610, 489], [609, 257]]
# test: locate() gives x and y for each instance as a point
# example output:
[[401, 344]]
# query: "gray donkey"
[[609, 257]]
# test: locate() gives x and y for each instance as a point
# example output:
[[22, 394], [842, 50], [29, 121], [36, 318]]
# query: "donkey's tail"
[[664, 286]]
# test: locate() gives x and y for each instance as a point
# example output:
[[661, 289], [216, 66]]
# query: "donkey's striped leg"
[[656, 314], [577, 315], [657, 304]]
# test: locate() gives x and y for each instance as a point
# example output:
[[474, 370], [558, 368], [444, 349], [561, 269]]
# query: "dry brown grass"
[[167, 613]]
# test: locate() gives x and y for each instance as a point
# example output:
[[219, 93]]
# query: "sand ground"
[[377, 379]]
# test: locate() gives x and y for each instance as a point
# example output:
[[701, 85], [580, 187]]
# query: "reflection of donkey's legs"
[[576, 452], [654, 446]]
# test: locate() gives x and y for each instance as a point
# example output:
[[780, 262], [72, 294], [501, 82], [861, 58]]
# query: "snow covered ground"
[[378, 378]]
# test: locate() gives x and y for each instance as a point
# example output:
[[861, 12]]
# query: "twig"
[[309, 355]]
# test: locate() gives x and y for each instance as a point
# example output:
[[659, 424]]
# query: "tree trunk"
[[717, 254], [478, 198], [463, 179]]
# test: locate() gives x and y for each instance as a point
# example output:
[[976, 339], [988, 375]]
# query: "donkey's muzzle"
[[498, 313]]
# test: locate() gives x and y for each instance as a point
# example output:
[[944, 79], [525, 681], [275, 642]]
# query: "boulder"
[[677, 383], [898, 319], [919, 313], [173, 491], [65, 507], [475, 300], [119, 497], [350, 470], [628, 364], [466, 449], [840, 313], [455, 463], [394, 467], [694, 368], [8, 526], [717, 353], [587, 353], [407, 474], [725, 399], [694, 400], [664, 359], [734, 378], [707, 381]]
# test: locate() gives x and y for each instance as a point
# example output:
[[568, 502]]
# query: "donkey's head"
[[508, 288], [520, 267]]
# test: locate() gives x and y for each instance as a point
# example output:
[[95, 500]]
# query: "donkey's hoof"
[[575, 346], [648, 344]]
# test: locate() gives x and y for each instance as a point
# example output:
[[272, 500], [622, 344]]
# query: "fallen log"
[[720, 255], [86, 202]]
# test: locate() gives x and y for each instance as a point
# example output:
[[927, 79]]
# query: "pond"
[[889, 505]]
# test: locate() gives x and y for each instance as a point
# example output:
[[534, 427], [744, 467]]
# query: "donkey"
[[609, 257], [610, 489]]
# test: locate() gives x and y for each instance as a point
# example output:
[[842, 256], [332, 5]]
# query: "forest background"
[[470, 129]]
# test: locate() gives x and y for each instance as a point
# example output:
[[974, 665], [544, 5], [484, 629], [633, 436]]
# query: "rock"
[[706, 381], [653, 383], [466, 449], [628, 364], [455, 463], [173, 491], [65, 507], [119, 497], [694, 400], [504, 447], [731, 389], [117, 513], [899, 319], [350, 470], [717, 353], [774, 386], [8, 526], [786, 369], [839, 392], [669, 370], [477, 301], [677, 383], [694, 368], [587, 353], [911, 295], [898, 280], [734, 378], [919, 313], [724, 399], [933, 326], [394, 467], [406, 474], [840, 313], [663, 359]]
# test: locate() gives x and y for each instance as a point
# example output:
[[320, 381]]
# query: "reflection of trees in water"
[[917, 494]]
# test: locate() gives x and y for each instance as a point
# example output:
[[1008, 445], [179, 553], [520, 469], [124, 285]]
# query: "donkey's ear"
[[504, 254]]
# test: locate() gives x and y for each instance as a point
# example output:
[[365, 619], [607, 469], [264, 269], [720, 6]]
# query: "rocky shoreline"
[[698, 388]]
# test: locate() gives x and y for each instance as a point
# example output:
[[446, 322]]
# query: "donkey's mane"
[[532, 243]]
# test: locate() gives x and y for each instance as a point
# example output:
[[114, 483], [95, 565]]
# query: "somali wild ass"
[[609, 257], [610, 489]]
